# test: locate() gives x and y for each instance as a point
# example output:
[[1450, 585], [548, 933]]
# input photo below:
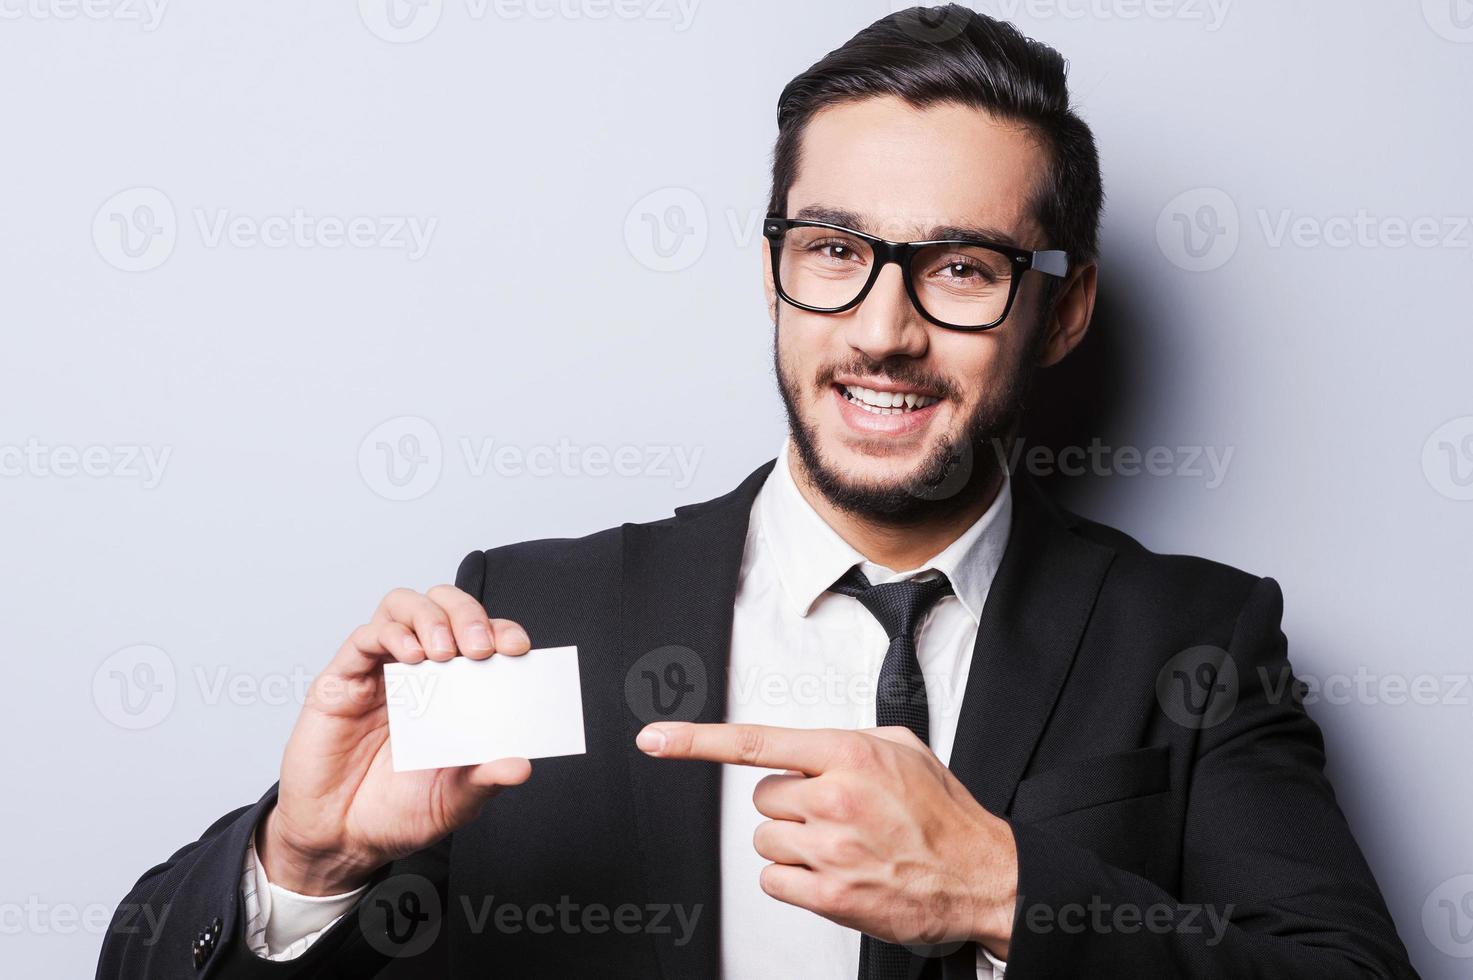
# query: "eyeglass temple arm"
[[1053, 263]]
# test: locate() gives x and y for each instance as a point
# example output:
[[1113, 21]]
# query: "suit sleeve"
[[193, 900], [1273, 884]]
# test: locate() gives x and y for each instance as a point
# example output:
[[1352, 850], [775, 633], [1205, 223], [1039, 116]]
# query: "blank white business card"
[[461, 712]]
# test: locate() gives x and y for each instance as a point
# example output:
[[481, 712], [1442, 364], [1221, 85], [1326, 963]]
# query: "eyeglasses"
[[964, 284]]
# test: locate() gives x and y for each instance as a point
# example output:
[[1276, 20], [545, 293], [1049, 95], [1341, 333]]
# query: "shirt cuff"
[[281, 924], [989, 967]]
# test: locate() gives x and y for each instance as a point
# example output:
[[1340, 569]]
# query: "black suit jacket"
[[1125, 711]]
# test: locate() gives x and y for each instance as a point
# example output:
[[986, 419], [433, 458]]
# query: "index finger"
[[810, 751]]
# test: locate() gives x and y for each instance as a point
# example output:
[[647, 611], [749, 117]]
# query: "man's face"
[[903, 173]]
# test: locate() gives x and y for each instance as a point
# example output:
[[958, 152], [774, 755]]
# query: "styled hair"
[[953, 54]]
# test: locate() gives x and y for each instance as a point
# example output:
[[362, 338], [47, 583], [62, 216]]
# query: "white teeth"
[[887, 402]]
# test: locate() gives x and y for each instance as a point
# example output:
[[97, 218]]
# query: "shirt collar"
[[811, 556]]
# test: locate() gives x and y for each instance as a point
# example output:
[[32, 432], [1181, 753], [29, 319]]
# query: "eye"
[[966, 269], [837, 250]]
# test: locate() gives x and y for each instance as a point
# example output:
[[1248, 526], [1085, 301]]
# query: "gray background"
[[543, 140]]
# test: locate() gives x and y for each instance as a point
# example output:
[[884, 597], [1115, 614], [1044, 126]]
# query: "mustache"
[[901, 370]]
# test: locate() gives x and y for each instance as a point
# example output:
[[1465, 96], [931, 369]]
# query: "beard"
[[954, 474]]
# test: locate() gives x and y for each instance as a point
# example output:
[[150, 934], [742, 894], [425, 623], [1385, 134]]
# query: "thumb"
[[498, 773]]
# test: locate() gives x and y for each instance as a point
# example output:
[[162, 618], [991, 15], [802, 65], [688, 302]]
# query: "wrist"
[[997, 897], [306, 871]]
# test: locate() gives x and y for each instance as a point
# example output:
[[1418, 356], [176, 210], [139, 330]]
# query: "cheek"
[[804, 346], [973, 362]]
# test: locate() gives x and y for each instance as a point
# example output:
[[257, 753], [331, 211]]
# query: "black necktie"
[[900, 699]]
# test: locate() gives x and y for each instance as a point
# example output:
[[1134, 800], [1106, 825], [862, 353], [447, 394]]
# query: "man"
[[1059, 759]]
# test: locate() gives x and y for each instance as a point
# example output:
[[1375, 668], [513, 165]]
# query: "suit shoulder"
[[582, 556], [1157, 573]]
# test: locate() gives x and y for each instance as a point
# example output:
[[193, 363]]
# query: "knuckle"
[[749, 745], [833, 802], [856, 752], [841, 851], [832, 895]]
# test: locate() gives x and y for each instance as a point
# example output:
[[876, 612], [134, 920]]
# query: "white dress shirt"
[[801, 657]]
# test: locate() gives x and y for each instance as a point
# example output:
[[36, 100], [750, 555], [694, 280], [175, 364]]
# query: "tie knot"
[[899, 606]]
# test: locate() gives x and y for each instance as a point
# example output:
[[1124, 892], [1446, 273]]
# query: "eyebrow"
[[857, 221]]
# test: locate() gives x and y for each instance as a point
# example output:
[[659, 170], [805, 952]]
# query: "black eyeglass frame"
[[1050, 262]]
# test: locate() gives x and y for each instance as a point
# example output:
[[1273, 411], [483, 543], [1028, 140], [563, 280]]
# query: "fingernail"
[[650, 740], [411, 646], [442, 640], [478, 637], [516, 635]]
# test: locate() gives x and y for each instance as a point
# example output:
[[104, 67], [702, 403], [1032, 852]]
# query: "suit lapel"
[[680, 581], [1031, 626]]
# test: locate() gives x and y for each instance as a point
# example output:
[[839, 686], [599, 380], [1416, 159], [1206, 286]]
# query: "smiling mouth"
[[886, 402]]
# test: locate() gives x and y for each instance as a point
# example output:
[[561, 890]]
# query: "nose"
[[887, 323]]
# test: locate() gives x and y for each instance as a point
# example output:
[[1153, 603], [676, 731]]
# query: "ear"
[[1069, 319]]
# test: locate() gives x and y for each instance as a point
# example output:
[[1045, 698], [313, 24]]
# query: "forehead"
[[908, 170]]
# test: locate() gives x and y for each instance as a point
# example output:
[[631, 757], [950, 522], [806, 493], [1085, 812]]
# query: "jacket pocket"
[[1092, 782]]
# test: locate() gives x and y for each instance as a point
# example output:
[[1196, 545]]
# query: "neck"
[[893, 546]]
